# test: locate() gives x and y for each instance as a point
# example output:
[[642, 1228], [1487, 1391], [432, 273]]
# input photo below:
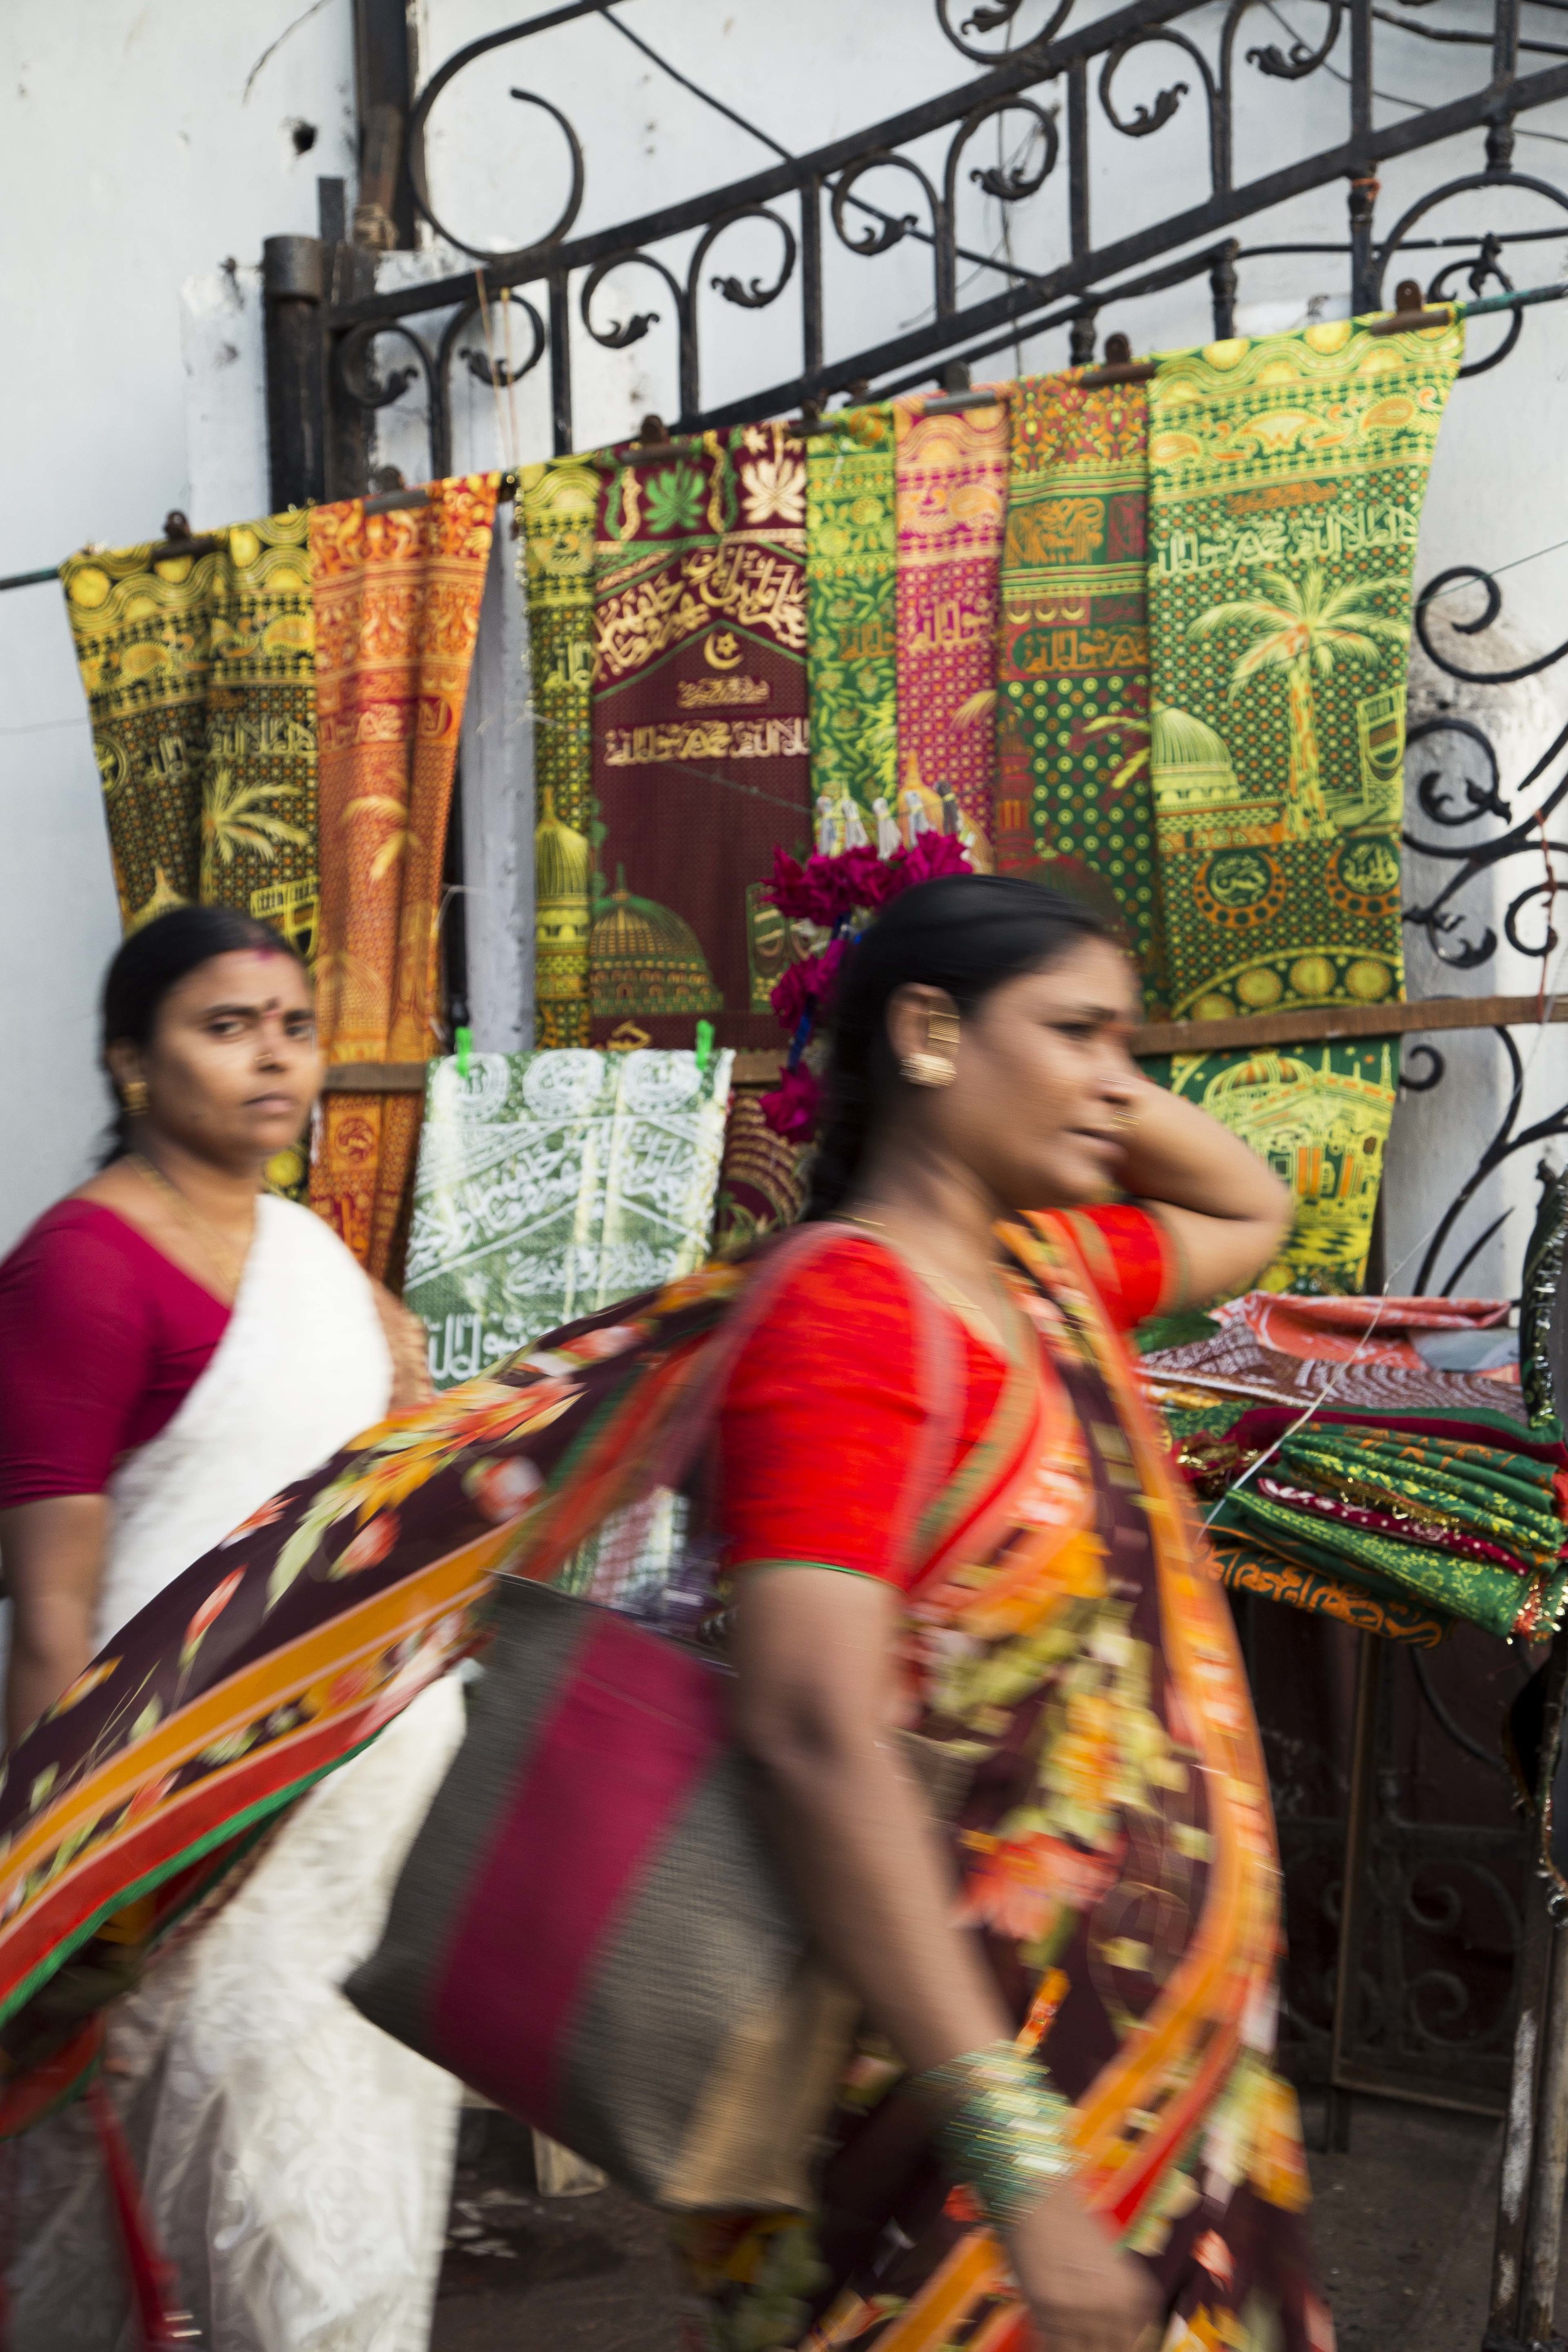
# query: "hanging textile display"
[[1320, 1116], [397, 613], [762, 1179], [950, 501], [1285, 477], [1073, 805], [858, 798], [699, 739], [199, 674], [549, 1185], [558, 503]]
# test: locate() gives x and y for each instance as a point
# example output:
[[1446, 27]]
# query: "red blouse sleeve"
[[1130, 1258], [101, 1338], [822, 1418]]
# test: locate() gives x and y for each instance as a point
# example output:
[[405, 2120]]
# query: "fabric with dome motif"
[[1286, 480], [557, 502], [1073, 801], [700, 734], [1320, 1116], [551, 1184]]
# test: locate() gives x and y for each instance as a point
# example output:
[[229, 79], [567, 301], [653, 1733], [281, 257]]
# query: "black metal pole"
[[294, 282]]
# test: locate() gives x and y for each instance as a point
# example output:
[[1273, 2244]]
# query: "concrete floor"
[[1404, 2227]]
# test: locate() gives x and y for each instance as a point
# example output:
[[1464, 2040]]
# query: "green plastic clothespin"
[[464, 1041], [704, 1045]]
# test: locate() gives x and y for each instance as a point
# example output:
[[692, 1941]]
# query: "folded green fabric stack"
[[1470, 1528]]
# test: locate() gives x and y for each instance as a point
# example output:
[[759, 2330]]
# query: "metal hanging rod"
[[655, 442]]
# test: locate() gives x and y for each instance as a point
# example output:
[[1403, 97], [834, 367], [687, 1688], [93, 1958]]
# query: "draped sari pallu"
[[1129, 1907]]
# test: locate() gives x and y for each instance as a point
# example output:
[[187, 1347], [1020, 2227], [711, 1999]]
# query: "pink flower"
[[805, 986], [791, 1110], [933, 855]]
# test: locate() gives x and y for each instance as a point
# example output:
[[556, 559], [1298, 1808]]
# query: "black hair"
[[152, 960], [966, 933]]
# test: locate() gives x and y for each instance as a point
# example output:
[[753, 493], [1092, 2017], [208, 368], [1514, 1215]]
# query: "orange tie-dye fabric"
[[398, 612]]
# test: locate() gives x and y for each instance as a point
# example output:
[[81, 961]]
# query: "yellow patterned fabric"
[[199, 673], [1251, 1567], [1320, 1116], [555, 563], [1285, 477]]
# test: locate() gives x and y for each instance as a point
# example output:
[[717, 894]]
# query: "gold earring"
[[929, 1069], [133, 1097]]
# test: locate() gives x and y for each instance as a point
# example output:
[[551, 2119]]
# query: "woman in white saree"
[[177, 1345]]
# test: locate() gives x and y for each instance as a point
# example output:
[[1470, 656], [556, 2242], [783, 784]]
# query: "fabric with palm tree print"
[[698, 737], [852, 618], [1073, 801], [397, 615], [199, 673], [1285, 477]]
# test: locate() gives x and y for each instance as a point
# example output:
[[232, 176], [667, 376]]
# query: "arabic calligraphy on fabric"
[[949, 500], [699, 741]]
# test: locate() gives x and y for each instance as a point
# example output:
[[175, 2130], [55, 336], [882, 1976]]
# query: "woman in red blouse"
[[947, 1511]]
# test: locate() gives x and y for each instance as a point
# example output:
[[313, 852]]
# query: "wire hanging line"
[[1128, 370]]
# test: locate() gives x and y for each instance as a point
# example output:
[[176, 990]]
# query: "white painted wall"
[[136, 384]]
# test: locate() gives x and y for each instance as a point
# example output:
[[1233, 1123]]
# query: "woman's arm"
[[53, 1554], [817, 1705], [1226, 1209]]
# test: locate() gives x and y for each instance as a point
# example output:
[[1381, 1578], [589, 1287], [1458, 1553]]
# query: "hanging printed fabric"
[[559, 503], [700, 738], [199, 673], [852, 610], [761, 1180], [397, 613], [1073, 801], [1286, 480], [551, 1184], [951, 493], [1319, 1114]]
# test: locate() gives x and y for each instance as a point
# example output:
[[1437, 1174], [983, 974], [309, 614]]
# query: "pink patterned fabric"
[[951, 496]]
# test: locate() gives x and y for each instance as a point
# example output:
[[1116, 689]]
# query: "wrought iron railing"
[[1062, 96]]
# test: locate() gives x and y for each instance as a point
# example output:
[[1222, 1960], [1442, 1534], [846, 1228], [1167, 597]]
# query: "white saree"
[[297, 2163]]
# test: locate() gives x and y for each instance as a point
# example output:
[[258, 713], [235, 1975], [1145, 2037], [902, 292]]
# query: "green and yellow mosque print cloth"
[[559, 501], [1074, 806], [199, 672], [1320, 1116], [852, 613], [1286, 478]]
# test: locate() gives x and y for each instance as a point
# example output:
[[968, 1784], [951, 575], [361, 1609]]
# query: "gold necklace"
[[948, 1291], [227, 1262]]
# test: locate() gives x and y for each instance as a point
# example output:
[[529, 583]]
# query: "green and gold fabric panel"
[[1320, 1116], [259, 829], [698, 733], [200, 681], [559, 501], [1074, 806], [852, 612], [1285, 477]]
